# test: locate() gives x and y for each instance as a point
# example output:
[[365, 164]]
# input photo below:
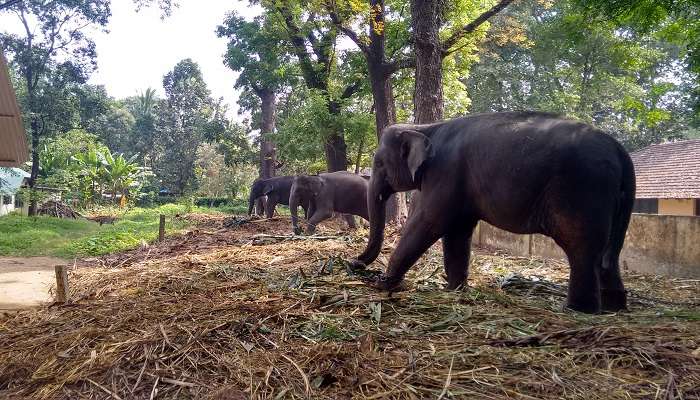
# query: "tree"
[[312, 38], [53, 39], [255, 50], [187, 113], [144, 108], [428, 18], [564, 61]]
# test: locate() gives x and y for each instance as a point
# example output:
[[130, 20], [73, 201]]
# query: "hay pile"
[[58, 209], [247, 312]]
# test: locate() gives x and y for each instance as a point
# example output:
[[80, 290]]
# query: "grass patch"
[[45, 236], [41, 236]]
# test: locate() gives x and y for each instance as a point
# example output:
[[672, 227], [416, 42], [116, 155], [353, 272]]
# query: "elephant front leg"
[[318, 216], [419, 234], [270, 207], [455, 248]]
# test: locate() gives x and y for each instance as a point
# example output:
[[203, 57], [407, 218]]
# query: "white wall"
[[6, 208]]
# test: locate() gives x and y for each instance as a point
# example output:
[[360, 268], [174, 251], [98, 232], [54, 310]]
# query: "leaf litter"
[[239, 309]]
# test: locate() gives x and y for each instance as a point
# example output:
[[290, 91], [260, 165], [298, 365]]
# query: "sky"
[[142, 47]]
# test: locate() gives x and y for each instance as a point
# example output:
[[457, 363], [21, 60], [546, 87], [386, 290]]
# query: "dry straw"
[[235, 310]]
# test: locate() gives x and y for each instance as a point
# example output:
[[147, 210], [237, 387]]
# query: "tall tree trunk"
[[268, 152], [426, 19], [360, 149], [33, 201], [34, 126], [334, 146]]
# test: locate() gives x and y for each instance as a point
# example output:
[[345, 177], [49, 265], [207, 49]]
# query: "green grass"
[[44, 236]]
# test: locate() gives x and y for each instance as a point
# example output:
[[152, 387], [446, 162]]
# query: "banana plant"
[[119, 172]]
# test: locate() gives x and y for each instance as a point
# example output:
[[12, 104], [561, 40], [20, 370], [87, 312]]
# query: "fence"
[[656, 244]]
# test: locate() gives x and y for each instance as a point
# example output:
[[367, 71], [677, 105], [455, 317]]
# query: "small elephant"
[[340, 192], [277, 191], [524, 172]]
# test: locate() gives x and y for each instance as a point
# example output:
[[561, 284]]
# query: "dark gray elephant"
[[335, 192], [524, 172], [276, 190]]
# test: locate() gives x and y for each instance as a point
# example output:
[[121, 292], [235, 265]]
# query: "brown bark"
[[268, 152], [426, 19]]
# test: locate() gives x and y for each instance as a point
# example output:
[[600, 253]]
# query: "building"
[[11, 179], [13, 141], [668, 178]]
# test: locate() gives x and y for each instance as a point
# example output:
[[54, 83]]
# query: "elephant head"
[[398, 166], [304, 190], [259, 188]]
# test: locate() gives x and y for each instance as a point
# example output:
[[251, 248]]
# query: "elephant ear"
[[416, 149], [268, 189]]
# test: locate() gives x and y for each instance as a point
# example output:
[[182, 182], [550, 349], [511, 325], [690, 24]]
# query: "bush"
[[212, 202]]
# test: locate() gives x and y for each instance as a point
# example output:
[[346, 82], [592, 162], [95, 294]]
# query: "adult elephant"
[[524, 172], [277, 191], [340, 192]]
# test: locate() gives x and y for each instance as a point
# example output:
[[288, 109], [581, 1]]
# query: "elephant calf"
[[276, 189], [524, 172], [340, 192]]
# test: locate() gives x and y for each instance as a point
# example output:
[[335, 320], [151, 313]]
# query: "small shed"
[[668, 178], [13, 140], [11, 179]]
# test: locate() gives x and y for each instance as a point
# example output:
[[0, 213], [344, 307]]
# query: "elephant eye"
[[378, 163]]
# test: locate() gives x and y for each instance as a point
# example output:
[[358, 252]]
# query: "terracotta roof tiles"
[[668, 170]]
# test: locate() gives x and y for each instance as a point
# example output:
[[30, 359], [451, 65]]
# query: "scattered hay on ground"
[[246, 311]]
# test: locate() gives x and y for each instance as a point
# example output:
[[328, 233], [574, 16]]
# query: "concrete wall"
[[655, 244], [6, 208], [677, 206]]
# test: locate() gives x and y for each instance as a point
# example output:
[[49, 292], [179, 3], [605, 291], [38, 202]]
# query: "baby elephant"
[[340, 192]]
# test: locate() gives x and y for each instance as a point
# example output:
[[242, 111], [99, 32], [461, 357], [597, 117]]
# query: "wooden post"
[[161, 229], [61, 284]]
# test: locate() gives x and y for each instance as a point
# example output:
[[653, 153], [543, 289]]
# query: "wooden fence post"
[[61, 284], [161, 228]]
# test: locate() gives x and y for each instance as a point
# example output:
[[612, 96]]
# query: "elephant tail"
[[623, 213]]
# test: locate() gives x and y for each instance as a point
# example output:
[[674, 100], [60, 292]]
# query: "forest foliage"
[[316, 79]]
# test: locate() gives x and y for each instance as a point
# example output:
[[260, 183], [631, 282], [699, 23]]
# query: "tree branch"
[[9, 3], [471, 27], [403, 63], [297, 39], [350, 90], [347, 31]]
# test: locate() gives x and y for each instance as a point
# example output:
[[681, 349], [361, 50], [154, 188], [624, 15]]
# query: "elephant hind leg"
[[612, 291], [456, 246]]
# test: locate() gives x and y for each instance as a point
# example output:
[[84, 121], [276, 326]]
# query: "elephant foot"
[[356, 265], [586, 307], [298, 231], [310, 229], [613, 300], [452, 286], [389, 284]]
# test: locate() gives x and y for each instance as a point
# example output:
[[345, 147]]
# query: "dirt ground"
[[236, 310], [26, 282]]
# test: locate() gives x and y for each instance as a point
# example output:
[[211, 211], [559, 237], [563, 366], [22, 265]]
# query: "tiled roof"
[[13, 142], [668, 170]]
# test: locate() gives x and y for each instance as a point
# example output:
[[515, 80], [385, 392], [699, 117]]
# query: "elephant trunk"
[[376, 205], [251, 200], [293, 208]]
